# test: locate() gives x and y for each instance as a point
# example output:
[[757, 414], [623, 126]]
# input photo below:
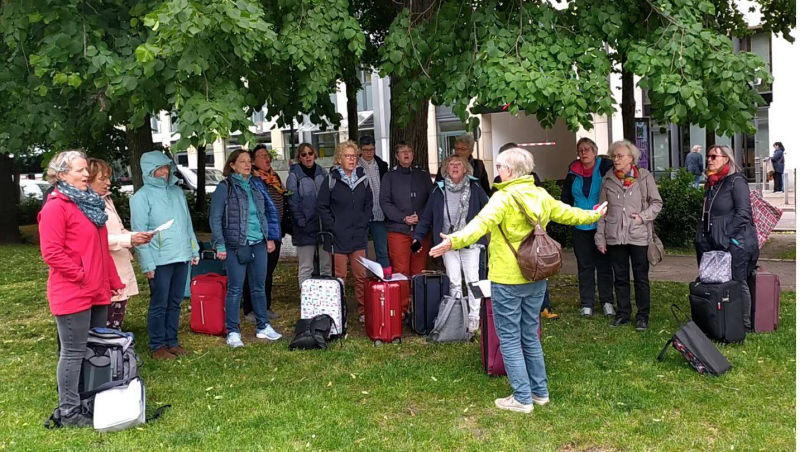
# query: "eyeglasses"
[[306, 154], [619, 156], [498, 166], [714, 156], [586, 151], [349, 156]]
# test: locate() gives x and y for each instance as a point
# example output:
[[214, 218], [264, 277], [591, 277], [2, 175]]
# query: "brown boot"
[[163, 353], [548, 314], [178, 350]]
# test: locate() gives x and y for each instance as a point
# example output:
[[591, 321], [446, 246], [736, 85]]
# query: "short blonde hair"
[[467, 167], [518, 160], [633, 151], [727, 152], [341, 148], [61, 163]]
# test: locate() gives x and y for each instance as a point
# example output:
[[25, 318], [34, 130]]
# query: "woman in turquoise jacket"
[[165, 259]]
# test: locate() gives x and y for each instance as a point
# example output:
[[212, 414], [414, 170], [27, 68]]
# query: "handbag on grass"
[[538, 255], [693, 344]]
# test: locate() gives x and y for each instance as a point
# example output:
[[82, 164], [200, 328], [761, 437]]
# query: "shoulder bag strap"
[[664, 349], [645, 205], [531, 221]]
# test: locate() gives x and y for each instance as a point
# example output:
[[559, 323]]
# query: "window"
[[155, 124], [364, 96], [761, 45], [173, 123], [661, 146]]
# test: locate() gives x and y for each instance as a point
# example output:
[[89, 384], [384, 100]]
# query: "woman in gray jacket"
[[624, 233]]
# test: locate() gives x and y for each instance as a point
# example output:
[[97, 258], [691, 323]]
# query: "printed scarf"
[[629, 178], [270, 179], [461, 189], [716, 176], [90, 203]]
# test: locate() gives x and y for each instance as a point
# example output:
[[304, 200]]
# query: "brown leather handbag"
[[538, 255]]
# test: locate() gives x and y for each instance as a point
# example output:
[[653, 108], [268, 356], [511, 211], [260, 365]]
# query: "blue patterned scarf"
[[90, 203]]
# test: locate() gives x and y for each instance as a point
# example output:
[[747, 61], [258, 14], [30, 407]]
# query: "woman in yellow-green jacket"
[[515, 300]]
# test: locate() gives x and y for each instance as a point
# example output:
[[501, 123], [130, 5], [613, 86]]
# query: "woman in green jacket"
[[516, 301]]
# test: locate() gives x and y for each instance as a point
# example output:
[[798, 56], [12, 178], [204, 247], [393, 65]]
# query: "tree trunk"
[[414, 134], [9, 202], [200, 198], [353, 85], [711, 137], [140, 140], [628, 106]]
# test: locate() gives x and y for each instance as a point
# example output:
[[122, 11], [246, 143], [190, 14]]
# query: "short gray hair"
[[466, 138], [628, 146], [61, 163], [697, 148], [518, 160], [727, 152], [462, 160]]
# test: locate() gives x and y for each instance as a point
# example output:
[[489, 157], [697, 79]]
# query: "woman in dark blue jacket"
[[344, 205], [455, 201], [303, 183], [240, 227]]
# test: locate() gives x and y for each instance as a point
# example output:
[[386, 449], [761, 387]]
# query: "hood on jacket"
[[153, 160]]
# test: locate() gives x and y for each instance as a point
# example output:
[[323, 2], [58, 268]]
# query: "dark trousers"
[[73, 331], [777, 182], [166, 293], [590, 260], [623, 258], [272, 262]]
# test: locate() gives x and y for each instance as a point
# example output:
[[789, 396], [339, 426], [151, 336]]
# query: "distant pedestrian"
[[375, 169], [82, 279], [777, 164], [165, 260], [694, 164]]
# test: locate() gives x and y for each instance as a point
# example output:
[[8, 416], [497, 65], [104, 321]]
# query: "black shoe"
[[620, 321], [641, 325], [78, 418]]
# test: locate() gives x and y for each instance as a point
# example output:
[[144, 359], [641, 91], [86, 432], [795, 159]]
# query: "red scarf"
[[577, 168], [627, 178], [270, 178], [716, 176]]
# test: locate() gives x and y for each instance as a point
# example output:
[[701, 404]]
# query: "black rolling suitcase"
[[718, 309], [692, 343], [428, 289]]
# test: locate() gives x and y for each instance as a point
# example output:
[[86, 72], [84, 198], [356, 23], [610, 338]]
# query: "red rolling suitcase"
[[491, 357], [208, 304], [383, 316], [765, 292]]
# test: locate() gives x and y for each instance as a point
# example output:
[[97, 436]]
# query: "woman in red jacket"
[[74, 243]]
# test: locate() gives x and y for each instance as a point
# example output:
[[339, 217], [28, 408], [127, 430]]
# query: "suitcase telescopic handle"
[[320, 241]]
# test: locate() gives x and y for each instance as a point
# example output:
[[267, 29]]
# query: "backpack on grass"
[[693, 344]]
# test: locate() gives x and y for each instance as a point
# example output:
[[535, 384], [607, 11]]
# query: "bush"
[[676, 225], [199, 219], [559, 232], [122, 204], [29, 211]]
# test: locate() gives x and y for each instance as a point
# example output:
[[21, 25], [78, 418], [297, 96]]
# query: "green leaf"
[[74, 80]]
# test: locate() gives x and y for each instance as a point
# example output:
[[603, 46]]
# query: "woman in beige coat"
[[624, 233], [120, 241]]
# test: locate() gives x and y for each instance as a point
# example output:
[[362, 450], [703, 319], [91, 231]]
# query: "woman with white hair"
[[452, 204], [633, 204], [516, 301], [727, 221], [82, 279]]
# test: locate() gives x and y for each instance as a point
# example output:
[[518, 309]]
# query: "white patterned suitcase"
[[324, 294]]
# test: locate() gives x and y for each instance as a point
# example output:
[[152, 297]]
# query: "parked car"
[[29, 188], [188, 177]]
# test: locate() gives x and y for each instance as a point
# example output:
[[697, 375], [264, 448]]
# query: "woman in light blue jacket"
[[244, 229], [165, 259]]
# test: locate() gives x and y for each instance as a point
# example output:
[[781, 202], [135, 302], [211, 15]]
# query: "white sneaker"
[[608, 310], [586, 312], [474, 324], [268, 333], [511, 404], [235, 340], [541, 401]]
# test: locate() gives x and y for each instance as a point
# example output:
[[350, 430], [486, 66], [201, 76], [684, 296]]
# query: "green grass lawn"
[[608, 392]]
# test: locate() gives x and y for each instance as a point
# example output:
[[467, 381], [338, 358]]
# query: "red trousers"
[[359, 273], [404, 261]]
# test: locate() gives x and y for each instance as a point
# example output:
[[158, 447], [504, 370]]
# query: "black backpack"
[[310, 334], [693, 344]]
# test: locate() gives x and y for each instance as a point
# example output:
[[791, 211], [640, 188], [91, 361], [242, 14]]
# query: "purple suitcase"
[[765, 292]]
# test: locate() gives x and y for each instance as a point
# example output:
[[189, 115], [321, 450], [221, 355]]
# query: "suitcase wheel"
[[397, 341], [378, 342]]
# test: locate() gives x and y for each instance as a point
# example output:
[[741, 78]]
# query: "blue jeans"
[[166, 294], [257, 269], [516, 319], [696, 183], [380, 240]]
